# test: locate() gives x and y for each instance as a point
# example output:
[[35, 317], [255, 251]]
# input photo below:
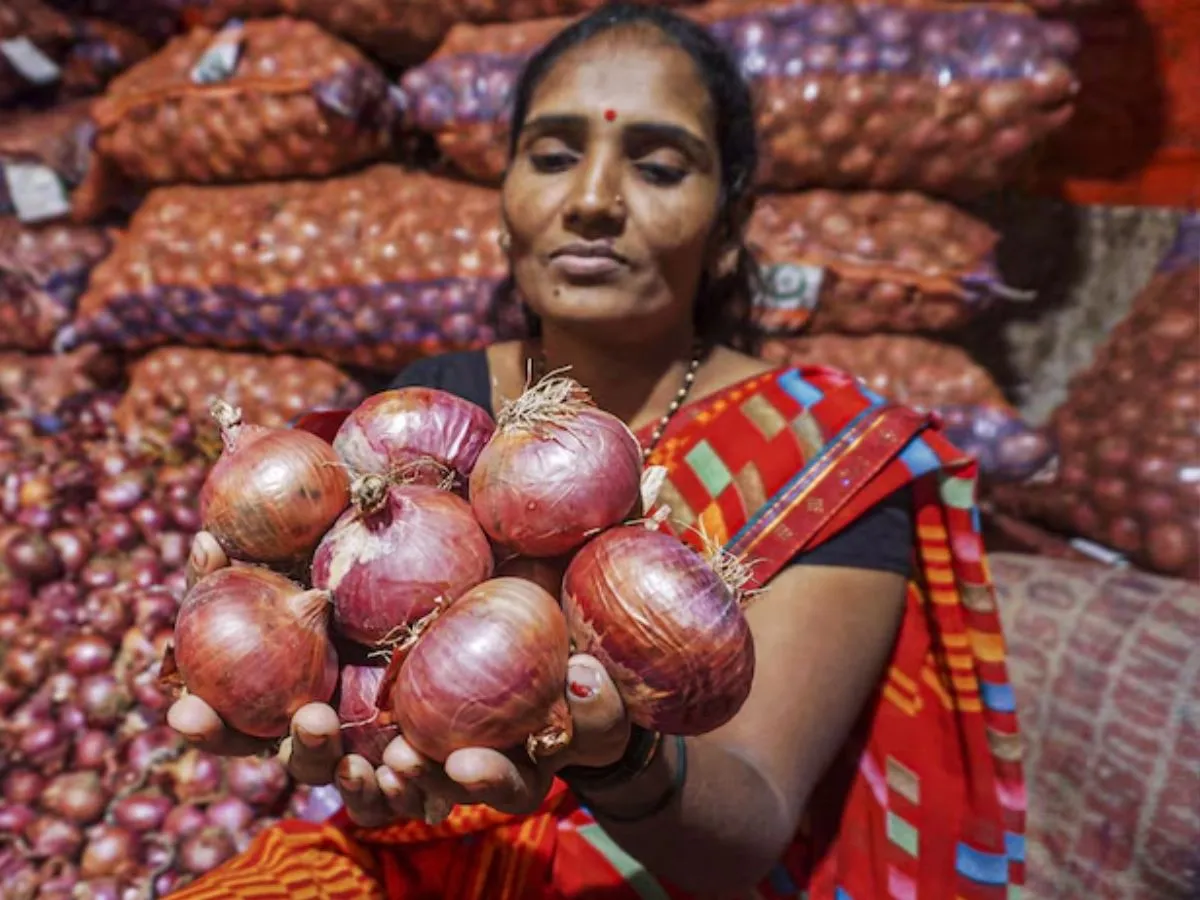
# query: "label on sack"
[[791, 287], [32, 64], [220, 60], [37, 192]]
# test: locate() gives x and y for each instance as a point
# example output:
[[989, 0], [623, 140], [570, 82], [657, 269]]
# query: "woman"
[[876, 755]]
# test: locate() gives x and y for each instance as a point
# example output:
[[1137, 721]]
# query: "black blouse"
[[881, 540]]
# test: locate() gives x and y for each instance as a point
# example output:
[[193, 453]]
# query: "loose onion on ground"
[[255, 647], [395, 554], [395, 433], [273, 493], [490, 671], [557, 471], [666, 626]]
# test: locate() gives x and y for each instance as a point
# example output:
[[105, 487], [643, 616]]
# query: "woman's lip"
[[572, 264]]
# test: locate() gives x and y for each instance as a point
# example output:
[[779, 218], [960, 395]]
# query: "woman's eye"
[[551, 162], [660, 174]]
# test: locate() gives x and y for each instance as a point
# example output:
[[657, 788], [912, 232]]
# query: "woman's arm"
[[823, 636]]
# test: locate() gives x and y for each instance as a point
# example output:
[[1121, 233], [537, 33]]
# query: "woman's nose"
[[595, 202]]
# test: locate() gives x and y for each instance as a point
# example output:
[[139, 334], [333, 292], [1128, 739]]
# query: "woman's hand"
[[408, 785]]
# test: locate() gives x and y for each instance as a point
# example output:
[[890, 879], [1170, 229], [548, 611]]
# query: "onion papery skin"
[[491, 671], [669, 631], [255, 647], [362, 732], [388, 568], [392, 433], [544, 491], [273, 494]]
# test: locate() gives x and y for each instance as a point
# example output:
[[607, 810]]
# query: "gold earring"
[[504, 239]]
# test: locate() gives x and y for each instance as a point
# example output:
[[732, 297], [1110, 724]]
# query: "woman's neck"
[[634, 381]]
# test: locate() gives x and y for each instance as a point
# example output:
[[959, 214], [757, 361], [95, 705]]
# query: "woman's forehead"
[[633, 77]]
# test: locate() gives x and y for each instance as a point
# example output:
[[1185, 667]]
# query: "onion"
[[77, 797], [395, 555], [205, 850], [51, 837], [395, 432], [30, 556], [87, 654], [23, 786], [102, 699], [545, 573], [490, 671], [273, 493], [259, 782], [195, 776], [92, 751], [141, 812], [557, 471], [110, 851], [362, 732], [184, 820], [15, 818], [231, 814], [667, 626], [256, 648]]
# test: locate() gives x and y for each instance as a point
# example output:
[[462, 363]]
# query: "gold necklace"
[[676, 404]]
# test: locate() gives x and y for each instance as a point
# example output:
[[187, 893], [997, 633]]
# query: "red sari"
[[927, 798]]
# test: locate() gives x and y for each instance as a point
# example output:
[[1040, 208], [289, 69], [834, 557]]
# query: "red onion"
[[45, 745], [103, 700], [195, 776], [87, 654], [93, 750], [256, 648], [123, 492], [260, 782], [231, 814], [26, 664], [545, 573], [395, 555], [205, 850], [142, 812], [110, 851], [665, 624], [557, 471], [15, 818], [51, 837], [74, 546], [490, 671], [362, 732], [152, 747], [273, 493], [31, 557], [23, 786], [184, 820], [77, 797], [395, 432]]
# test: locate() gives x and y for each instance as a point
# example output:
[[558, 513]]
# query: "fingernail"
[[311, 741], [199, 556], [583, 682]]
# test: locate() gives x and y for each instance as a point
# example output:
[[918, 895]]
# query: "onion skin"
[[389, 567], [545, 573], [362, 731], [393, 432], [255, 647], [542, 489], [490, 671], [666, 627], [273, 494]]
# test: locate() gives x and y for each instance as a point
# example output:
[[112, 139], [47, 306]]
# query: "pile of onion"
[[274, 492], [398, 552], [557, 471], [666, 623], [489, 671], [255, 647], [399, 433]]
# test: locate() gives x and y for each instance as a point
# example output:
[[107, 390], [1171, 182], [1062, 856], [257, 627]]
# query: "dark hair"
[[723, 306]]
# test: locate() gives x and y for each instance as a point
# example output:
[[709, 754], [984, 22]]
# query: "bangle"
[[668, 796], [643, 748]]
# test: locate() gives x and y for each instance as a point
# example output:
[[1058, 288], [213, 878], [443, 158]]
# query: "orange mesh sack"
[[270, 390], [1129, 432], [101, 51], [935, 377], [34, 39], [864, 262], [34, 384], [371, 269], [42, 273], [267, 100]]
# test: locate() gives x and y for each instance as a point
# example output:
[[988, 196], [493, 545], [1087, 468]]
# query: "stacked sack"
[[1128, 445]]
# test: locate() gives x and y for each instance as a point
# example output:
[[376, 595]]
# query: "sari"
[[926, 799]]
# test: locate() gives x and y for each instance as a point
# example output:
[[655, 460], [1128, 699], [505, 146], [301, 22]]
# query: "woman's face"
[[612, 196]]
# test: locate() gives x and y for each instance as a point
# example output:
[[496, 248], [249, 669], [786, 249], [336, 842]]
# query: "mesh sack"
[[943, 100], [1129, 431], [37, 384], [1105, 664], [869, 261], [270, 390], [34, 38], [936, 377], [267, 100], [101, 50], [371, 269], [42, 273], [49, 171]]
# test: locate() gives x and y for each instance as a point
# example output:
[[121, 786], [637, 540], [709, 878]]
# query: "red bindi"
[[610, 114]]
